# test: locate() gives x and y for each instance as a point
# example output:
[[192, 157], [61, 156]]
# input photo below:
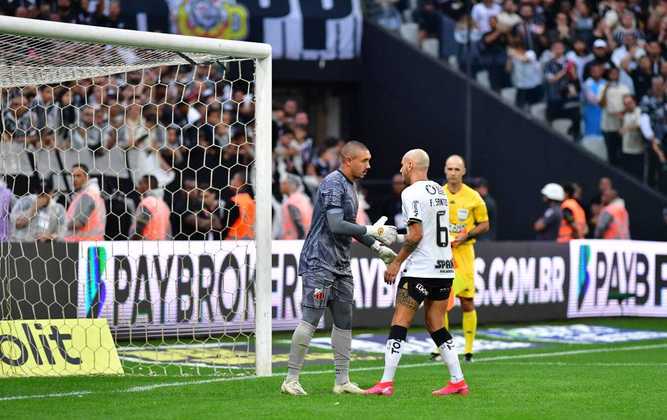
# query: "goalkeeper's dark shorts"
[[320, 287], [421, 289]]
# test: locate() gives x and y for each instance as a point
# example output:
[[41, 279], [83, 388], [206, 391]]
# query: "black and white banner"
[[296, 29], [617, 278]]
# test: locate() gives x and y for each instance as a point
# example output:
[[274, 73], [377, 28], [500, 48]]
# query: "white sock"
[[392, 355], [451, 359]]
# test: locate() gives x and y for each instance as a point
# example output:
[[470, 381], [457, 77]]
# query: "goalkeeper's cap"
[[553, 191]]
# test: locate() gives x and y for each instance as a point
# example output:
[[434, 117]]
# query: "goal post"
[[41, 53]]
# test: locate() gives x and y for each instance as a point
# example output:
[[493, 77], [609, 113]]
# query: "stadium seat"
[[431, 46], [483, 79], [595, 145], [562, 125], [508, 94], [539, 111], [410, 32]]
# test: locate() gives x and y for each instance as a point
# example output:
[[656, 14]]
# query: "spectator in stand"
[[86, 214], [508, 17], [151, 221], [580, 56], [641, 77], [633, 143], [654, 53], [613, 14], [493, 55], [385, 14], [210, 220], [526, 75], [6, 198], [611, 101], [592, 112], [582, 21], [653, 124], [287, 152], [186, 202], [391, 206], [67, 12], [482, 12], [481, 185], [530, 30], [38, 217], [627, 26], [547, 226], [573, 224], [290, 108], [296, 209], [562, 31], [113, 19], [562, 89], [614, 221], [629, 50], [601, 57], [428, 19]]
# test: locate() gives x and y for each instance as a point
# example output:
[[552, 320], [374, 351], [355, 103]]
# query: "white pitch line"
[[38, 397], [145, 388], [591, 364]]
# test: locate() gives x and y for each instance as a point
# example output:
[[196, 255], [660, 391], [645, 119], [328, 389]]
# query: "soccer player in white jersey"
[[427, 275]]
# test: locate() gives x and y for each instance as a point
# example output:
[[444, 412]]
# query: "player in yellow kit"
[[468, 219]]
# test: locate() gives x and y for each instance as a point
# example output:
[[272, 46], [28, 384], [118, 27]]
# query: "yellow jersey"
[[466, 210]]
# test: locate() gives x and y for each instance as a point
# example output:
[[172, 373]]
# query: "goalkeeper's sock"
[[443, 339], [469, 329], [341, 342], [393, 350], [298, 349]]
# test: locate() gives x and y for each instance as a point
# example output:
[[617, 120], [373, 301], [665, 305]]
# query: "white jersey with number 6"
[[425, 202]]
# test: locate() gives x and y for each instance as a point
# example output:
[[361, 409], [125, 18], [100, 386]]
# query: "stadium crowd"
[[167, 152], [602, 65]]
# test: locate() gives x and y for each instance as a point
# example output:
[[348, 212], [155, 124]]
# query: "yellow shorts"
[[464, 267]]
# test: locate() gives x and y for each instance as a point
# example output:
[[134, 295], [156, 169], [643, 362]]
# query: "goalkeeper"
[[325, 270]]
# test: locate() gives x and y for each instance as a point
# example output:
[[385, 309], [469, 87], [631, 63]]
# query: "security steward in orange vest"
[[151, 222], [614, 221], [86, 214], [241, 210], [573, 224]]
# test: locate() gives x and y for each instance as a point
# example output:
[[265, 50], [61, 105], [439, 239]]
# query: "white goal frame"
[[263, 93]]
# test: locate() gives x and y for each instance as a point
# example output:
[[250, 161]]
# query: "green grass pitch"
[[587, 381]]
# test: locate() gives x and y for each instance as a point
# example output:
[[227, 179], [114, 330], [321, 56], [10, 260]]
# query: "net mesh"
[[28, 60], [128, 195]]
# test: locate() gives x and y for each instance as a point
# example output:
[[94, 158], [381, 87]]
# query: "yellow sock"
[[469, 329]]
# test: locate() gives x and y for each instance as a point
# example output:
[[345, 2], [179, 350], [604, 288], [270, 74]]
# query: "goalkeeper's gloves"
[[384, 234], [386, 254]]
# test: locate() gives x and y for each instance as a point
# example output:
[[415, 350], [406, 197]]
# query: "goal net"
[[136, 177]]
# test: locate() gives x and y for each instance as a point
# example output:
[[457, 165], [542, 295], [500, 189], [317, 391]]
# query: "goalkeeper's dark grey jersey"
[[322, 249]]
